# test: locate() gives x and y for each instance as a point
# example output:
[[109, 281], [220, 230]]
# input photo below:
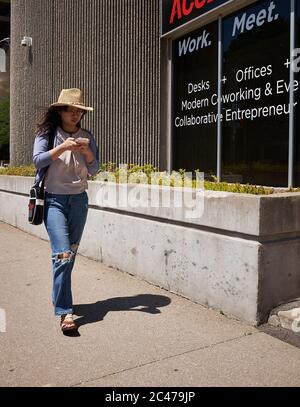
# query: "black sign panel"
[[194, 110], [254, 100], [178, 12]]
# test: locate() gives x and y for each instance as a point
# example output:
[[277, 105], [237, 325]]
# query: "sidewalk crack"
[[166, 358]]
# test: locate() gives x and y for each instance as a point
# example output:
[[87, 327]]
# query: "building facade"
[[111, 50], [4, 81], [196, 84]]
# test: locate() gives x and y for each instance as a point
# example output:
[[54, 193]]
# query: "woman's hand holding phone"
[[82, 141], [80, 145], [84, 147], [70, 145]]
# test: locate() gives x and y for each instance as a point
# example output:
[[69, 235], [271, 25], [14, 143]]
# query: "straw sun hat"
[[72, 97]]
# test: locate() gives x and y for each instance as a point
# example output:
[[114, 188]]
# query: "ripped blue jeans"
[[65, 218]]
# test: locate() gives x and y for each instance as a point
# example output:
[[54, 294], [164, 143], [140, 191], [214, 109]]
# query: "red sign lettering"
[[181, 7]]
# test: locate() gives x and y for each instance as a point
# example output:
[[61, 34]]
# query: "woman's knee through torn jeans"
[[65, 218]]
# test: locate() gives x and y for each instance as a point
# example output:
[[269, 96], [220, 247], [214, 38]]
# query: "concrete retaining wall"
[[241, 255]]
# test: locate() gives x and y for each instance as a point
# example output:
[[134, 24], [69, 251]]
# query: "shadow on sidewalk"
[[91, 313]]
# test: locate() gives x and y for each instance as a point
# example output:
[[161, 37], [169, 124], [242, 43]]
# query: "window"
[[255, 94], [194, 121]]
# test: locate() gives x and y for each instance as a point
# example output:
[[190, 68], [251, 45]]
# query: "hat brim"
[[88, 109]]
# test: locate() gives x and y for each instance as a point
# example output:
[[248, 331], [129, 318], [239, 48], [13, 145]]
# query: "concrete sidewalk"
[[131, 333]]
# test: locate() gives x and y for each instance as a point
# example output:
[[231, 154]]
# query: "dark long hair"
[[52, 120]]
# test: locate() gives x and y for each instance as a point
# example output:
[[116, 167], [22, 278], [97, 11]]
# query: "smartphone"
[[82, 141]]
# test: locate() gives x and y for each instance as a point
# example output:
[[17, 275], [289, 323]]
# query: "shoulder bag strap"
[[51, 135]]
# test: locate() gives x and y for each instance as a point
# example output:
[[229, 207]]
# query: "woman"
[[73, 157]]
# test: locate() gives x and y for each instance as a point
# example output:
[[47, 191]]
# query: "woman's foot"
[[67, 323]]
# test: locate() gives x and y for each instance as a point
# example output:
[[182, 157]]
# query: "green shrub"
[[142, 174], [238, 188], [25, 171], [110, 172]]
